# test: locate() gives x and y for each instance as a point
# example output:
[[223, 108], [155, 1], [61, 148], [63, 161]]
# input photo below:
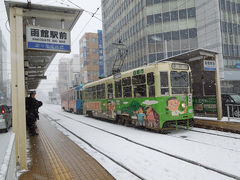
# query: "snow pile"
[[7, 157]]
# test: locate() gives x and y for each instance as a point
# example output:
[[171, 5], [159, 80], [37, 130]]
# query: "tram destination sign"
[[48, 39]]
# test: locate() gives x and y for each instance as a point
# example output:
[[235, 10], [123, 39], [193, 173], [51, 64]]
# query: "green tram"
[[156, 96]]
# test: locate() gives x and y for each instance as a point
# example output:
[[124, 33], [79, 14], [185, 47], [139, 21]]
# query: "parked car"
[[232, 99], [5, 117]]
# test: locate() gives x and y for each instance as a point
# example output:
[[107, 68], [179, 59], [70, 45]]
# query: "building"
[[155, 29], [63, 75], [89, 58], [3, 68], [68, 72], [74, 70]]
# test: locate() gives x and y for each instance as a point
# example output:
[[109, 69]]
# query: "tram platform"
[[214, 124], [54, 156]]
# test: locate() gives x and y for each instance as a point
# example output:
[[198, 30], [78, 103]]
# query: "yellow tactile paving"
[[57, 164]]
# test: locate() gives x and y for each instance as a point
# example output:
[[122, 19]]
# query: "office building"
[[156, 29]]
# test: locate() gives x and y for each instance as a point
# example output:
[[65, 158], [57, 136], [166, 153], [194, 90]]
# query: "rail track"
[[142, 145]]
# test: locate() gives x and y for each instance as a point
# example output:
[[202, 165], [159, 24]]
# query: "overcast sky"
[[92, 26]]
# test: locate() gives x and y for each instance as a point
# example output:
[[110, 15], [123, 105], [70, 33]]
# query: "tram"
[[72, 101], [156, 96]]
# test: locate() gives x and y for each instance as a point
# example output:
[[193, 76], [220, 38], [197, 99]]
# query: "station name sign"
[[209, 65], [48, 39]]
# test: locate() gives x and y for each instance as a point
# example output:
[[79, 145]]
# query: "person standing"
[[32, 106]]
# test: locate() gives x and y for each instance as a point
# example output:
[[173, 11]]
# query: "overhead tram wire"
[[91, 13], [78, 35]]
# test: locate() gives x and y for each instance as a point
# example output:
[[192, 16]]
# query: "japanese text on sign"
[[41, 38]]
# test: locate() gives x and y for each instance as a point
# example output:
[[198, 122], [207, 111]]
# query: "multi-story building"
[[75, 70], [155, 29], [3, 67], [89, 59], [68, 72], [63, 75]]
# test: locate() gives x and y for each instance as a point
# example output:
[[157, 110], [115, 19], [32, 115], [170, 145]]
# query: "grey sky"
[[77, 32]]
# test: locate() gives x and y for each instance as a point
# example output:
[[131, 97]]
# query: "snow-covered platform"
[[55, 156], [7, 156], [232, 125]]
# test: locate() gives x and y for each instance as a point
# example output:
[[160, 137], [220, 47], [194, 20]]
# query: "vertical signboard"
[[100, 54], [84, 55]]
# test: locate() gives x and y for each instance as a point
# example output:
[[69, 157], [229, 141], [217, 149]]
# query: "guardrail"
[[233, 111]]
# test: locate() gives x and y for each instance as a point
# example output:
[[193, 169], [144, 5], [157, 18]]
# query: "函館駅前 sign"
[[48, 39]]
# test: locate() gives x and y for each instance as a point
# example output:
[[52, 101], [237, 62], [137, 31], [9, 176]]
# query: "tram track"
[[145, 146], [202, 132], [96, 149]]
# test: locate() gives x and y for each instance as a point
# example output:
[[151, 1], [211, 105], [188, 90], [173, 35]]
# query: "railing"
[[233, 111]]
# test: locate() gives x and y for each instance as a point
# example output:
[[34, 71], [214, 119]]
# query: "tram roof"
[[37, 62]]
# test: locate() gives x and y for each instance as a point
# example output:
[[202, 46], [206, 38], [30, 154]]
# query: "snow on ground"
[[223, 119], [8, 142], [206, 149], [4, 141]]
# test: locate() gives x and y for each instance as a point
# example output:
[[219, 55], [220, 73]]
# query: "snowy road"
[[219, 152]]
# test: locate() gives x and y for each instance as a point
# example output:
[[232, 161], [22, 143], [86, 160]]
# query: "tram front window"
[[179, 82]]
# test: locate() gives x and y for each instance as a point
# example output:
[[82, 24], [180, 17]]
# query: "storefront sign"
[[48, 39]]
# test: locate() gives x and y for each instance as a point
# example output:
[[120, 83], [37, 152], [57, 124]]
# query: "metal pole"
[[18, 84], [218, 90]]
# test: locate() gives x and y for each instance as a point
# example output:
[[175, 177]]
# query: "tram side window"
[[127, 88], [98, 91], [110, 91], [151, 85], [102, 91], [94, 93], [164, 83], [139, 86], [118, 89]]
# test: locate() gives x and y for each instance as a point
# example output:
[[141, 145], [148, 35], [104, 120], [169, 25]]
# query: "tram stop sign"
[[48, 39]]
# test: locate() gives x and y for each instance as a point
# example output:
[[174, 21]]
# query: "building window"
[[160, 56], [150, 19], [238, 8], [191, 12], [151, 38], [184, 34], [149, 2], [222, 4], [167, 36], [174, 15], [183, 14], [230, 28], [157, 1], [158, 18], [175, 35], [166, 16], [228, 6], [235, 28], [233, 7], [152, 58], [192, 33], [223, 26]]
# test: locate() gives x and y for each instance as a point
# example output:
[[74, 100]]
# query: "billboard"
[[100, 54], [48, 39]]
